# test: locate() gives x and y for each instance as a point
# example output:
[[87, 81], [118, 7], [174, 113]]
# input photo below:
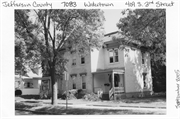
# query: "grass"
[[24, 109], [32, 105]]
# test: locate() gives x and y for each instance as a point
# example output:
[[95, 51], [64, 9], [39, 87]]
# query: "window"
[[82, 60], [83, 82], [144, 79], [143, 57], [74, 84], [116, 56], [74, 62], [113, 56], [28, 85]]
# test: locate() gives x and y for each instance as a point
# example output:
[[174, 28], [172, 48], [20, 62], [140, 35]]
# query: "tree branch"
[[63, 40]]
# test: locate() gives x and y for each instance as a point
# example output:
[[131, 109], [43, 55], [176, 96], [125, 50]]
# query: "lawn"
[[31, 105], [41, 109]]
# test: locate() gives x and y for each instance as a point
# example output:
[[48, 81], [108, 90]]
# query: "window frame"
[[84, 86], [84, 60], [74, 62], [73, 81], [144, 80], [74, 86], [28, 84], [115, 53]]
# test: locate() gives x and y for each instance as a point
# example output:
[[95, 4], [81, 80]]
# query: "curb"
[[114, 106], [129, 106]]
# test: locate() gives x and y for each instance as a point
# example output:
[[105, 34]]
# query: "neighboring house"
[[32, 83], [119, 72]]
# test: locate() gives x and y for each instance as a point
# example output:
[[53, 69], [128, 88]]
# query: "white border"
[[7, 61]]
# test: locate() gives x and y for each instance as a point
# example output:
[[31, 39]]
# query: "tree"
[[147, 28], [26, 42], [64, 30]]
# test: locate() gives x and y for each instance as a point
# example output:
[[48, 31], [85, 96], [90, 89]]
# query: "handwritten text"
[[178, 88], [20, 4], [149, 4]]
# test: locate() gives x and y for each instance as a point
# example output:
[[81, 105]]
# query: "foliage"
[[147, 28], [91, 97], [26, 43], [48, 34]]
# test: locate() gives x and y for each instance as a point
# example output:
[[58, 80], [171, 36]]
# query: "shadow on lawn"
[[29, 96], [21, 105], [143, 100], [77, 111], [151, 99]]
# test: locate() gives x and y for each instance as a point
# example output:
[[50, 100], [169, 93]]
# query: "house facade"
[[33, 83], [120, 71]]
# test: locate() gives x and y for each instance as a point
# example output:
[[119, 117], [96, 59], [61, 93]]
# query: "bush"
[[18, 92], [91, 97], [72, 94]]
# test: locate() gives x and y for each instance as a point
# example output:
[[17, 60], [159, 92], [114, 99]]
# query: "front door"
[[116, 80]]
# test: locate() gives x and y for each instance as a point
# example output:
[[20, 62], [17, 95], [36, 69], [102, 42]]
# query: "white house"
[[32, 83], [119, 72]]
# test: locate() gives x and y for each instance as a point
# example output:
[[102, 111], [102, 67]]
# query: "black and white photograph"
[[91, 60], [86, 69]]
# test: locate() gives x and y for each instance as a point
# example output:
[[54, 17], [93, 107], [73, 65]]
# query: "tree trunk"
[[53, 86]]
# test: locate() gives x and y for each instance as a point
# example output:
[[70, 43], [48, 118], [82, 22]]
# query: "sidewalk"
[[107, 105], [81, 107], [100, 105]]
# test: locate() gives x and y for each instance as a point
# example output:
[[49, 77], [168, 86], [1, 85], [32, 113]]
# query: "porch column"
[[113, 84], [93, 83]]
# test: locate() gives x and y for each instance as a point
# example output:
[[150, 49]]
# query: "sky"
[[112, 17]]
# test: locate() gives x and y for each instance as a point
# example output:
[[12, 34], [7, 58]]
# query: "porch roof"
[[115, 70]]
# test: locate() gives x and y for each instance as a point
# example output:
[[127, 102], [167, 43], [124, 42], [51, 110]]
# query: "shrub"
[[18, 92], [91, 97]]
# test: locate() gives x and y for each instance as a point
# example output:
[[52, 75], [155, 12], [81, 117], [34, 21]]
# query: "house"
[[31, 83], [119, 70]]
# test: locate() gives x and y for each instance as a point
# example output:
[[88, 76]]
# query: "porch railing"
[[111, 94], [117, 90]]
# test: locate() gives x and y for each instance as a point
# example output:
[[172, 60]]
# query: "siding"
[[134, 70]]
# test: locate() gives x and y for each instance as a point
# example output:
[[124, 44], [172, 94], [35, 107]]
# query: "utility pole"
[[66, 75], [66, 78]]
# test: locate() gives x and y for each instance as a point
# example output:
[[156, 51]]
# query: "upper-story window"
[[113, 56], [82, 60], [73, 62]]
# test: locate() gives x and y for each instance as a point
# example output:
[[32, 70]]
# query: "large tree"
[[60, 31], [26, 42], [147, 28]]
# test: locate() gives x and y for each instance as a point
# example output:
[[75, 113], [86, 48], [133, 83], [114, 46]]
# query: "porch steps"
[[105, 97]]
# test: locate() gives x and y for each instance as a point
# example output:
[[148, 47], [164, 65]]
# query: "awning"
[[115, 70]]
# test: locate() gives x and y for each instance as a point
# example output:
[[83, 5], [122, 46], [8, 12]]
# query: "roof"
[[108, 34], [110, 42], [117, 70]]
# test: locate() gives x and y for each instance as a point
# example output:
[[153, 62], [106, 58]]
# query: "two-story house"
[[120, 71]]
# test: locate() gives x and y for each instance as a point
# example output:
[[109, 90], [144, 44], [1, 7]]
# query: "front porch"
[[110, 81]]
